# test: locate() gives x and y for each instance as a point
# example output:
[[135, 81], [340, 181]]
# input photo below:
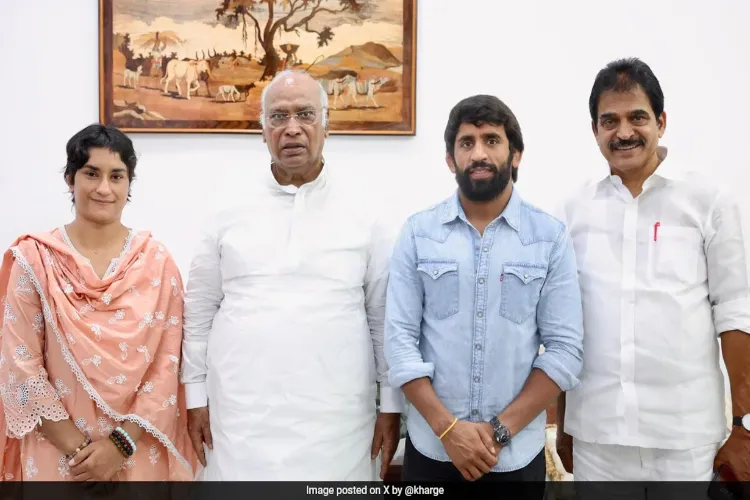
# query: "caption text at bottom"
[[379, 489]]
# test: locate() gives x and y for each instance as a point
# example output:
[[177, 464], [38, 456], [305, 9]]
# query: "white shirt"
[[661, 276], [284, 315]]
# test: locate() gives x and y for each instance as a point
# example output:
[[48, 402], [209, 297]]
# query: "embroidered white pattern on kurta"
[[83, 426], [22, 353], [48, 257], [119, 379], [86, 309], [31, 469], [97, 331], [24, 285], [148, 319], [119, 315], [96, 360], [147, 387], [9, 315], [171, 401], [143, 349], [175, 289], [62, 466], [70, 338], [107, 298], [124, 350], [62, 389], [175, 361], [105, 428], [38, 324], [153, 454], [174, 321]]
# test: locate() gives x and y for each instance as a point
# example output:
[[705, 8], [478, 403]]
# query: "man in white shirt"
[[663, 272], [284, 315]]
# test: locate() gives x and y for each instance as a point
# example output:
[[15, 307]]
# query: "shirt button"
[[478, 347], [525, 276], [479, 314], [475, 412], [486, 249], [434, 272], [481, 281], [476, 379]]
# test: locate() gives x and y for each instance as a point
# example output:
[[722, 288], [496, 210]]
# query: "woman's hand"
[[99, 461]]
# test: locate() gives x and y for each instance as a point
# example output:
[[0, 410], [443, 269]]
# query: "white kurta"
[[284, 335]]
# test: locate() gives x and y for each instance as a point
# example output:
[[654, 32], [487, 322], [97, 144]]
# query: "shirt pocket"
[[520, 290], [440, 279], [677, 254]]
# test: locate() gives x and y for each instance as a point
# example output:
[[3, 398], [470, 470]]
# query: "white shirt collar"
[[665, 170], [319, 182]]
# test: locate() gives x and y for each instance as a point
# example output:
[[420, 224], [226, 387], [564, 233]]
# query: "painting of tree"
[[295, 15], [201, 65]]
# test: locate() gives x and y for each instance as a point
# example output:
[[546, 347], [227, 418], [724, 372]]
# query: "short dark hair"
[[98, 136], [623, 75], [481, 109]]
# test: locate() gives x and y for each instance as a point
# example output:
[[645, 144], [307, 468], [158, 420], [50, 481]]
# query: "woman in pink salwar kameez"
[[91, 338]]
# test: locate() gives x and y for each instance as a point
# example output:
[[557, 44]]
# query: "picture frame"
[[363, 52]]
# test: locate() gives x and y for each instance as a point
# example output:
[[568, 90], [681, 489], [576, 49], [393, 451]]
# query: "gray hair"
[[283, 74]]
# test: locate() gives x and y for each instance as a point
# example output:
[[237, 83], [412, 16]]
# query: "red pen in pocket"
[[656, 230]]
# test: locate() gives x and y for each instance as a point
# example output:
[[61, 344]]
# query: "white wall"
[[540, 56]]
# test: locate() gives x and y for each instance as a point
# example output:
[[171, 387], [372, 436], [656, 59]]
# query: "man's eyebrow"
[[117, 170], [492, 135]]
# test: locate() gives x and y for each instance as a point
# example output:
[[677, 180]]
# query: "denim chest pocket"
[[440, 280], [520, 290]]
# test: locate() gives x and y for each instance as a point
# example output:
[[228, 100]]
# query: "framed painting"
[[201, 65]]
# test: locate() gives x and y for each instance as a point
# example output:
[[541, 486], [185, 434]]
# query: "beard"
[[484, 189]]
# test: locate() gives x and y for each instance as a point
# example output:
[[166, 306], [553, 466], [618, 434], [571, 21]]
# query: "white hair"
[[284, 74]]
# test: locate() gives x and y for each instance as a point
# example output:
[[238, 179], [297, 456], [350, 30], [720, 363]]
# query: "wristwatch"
[[502, 434], [743, 421]]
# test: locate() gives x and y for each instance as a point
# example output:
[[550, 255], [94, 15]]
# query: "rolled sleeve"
[[727, 267], [560, 317], [196, 395], [391, 400], [403, 314]]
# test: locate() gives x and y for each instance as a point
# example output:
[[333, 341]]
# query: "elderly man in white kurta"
[[284, 314]]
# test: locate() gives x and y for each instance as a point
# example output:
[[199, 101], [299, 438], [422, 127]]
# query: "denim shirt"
[[470, 312]]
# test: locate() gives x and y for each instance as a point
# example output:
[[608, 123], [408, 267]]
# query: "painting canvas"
[[201, 65]]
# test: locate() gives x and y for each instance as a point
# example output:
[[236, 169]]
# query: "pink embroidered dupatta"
[[100, 351]]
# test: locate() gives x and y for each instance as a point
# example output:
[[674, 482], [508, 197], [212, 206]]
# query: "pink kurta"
[[97, 350]]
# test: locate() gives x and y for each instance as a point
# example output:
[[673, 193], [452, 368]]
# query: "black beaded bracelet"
[[125, 450]]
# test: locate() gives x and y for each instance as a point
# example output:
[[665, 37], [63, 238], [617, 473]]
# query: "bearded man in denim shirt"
[[478, 282]]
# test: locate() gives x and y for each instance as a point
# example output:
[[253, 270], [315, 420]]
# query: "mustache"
[[626, 143], [481, 164]]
